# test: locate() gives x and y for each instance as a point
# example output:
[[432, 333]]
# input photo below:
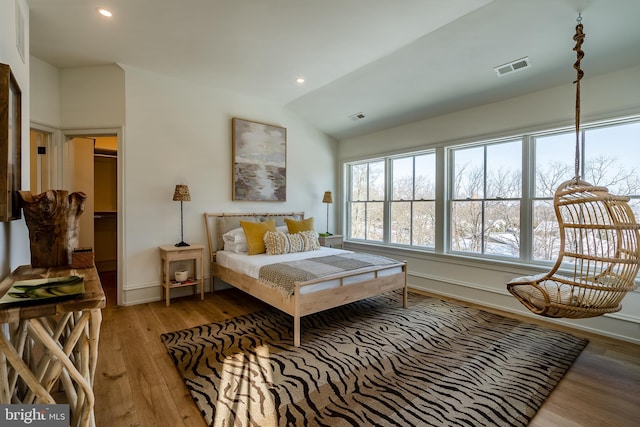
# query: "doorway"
[[87, 161], [93, 169]]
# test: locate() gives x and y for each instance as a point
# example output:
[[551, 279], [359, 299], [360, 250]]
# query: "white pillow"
[[236, 247], [234, 236], [237, 235]]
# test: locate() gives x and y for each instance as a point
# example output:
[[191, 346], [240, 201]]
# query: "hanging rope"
[[579, 39]]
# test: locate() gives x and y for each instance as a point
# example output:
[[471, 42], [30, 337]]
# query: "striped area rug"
[[373, 363]]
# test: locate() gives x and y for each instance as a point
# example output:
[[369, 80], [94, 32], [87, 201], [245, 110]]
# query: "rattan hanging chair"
[[599, 254], [599, 249]]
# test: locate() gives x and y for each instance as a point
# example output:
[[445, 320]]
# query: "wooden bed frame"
[[299, 305]]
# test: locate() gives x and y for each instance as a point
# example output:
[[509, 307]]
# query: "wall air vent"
[[357, 116], [517, 65]]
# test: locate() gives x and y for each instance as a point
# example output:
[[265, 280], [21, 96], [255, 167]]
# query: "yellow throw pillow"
[[255, 232], [295, 226]]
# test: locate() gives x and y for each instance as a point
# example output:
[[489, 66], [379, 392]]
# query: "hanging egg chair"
[[599, 253]]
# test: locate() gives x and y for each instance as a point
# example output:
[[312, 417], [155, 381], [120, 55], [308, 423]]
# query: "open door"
[[40, 148], [82, 179]]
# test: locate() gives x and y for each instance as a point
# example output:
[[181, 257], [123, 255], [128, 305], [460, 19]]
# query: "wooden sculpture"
[[52, 218]]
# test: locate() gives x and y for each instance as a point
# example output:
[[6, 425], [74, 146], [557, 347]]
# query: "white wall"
[[45, 90], [14, 236], [92, 97], [607, 95], [177, 133], [483, 282]]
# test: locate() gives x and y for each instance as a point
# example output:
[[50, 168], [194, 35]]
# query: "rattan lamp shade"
[[181, 193]]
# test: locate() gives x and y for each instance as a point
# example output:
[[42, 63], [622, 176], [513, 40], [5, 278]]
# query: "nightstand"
[[331, 241], [169, 254]]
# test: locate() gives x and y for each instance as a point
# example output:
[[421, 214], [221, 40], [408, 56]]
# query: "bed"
[[331, 288]]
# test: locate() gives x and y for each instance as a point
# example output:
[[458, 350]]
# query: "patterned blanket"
[[283, 275]]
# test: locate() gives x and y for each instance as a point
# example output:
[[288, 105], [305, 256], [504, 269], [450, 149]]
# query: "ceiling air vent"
[[357, 116], [517, 65]]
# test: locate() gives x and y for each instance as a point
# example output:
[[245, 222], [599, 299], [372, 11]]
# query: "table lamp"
[[181, 194], [328, 198]]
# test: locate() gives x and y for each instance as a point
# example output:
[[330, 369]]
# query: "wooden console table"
[[51, 349]]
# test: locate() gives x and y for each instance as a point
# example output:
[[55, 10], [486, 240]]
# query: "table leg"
[[95, 323], [161, 278], [84, 407], [23, 370], [167, 283], [195, 276], [202, 277]]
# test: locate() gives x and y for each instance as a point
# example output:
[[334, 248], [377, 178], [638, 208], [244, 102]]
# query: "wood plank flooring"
[[138, 385]]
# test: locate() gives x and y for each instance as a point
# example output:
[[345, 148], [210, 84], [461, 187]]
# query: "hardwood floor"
[[138, 385]]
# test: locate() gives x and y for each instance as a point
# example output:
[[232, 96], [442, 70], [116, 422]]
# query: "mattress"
[[250, 266]]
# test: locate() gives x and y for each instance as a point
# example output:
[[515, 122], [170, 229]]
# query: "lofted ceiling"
[[395, 61]]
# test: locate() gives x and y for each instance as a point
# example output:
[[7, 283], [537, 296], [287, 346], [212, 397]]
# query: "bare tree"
[[601, 170], [485, 210], [605, 171], [367, 194]]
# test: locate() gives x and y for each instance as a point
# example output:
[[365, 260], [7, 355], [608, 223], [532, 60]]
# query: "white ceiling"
[[395, 61]]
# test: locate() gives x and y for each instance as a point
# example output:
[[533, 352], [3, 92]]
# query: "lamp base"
[[182, 244]]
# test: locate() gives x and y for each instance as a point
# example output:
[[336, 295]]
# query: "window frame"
[[452, 198], [388, 197], [443, 196], [413, 200]]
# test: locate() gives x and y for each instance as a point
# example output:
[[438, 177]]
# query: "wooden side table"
[[331, 241], [170, 253], [49, 344]]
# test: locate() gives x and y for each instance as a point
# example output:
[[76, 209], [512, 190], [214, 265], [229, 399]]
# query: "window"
[[486, 196], [413, 210], [497, 196], [608, 158], [410, 199], [366, 207]]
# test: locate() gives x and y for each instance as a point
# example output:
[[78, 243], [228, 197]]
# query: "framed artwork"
[[10, 144], [259, 161]]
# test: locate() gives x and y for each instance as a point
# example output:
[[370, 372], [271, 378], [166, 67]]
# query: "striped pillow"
[[278, 243]]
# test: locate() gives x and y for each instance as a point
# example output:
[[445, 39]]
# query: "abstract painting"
[[259, 161]]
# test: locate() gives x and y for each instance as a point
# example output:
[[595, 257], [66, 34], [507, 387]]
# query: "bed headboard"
[[216, 224]]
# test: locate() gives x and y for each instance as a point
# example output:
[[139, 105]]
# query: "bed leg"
[[404, 297], [296, 331], [405, 290]]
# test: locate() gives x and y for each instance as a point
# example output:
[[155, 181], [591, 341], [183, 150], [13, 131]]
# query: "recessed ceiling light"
[[300, 80], [104, 12]]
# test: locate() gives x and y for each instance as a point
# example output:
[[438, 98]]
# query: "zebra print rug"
[[373, 363]]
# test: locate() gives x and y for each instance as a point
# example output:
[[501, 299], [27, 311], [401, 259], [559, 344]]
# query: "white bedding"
[[250, 265]]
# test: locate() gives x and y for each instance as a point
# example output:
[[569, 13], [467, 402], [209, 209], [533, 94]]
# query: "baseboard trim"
[[519, 313]]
